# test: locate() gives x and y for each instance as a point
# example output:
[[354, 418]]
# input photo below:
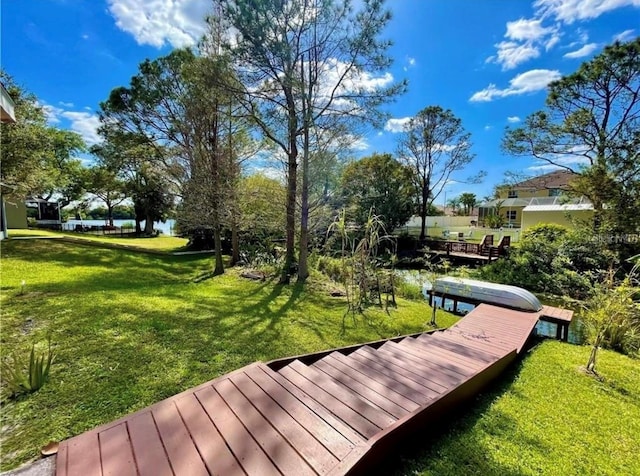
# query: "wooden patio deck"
[[330, 413]]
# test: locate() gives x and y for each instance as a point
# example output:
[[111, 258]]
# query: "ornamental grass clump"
[[19, 377]]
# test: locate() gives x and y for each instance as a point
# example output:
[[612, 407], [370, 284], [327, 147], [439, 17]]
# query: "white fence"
[[443, 221]]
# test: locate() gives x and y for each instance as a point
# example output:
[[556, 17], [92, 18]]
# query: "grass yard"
[[156, 243], [545, 416], [130, 329]]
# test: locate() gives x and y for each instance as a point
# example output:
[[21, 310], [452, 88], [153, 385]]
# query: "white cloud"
[[513, 119], [511, 54], [85, 37], [551, 42], [396, 125], [528, 82], [52, 113], [586, 50], [358, 144], [85, 124], [526, 30], [568, 11], [65, 104], [411, 62], [158, 22], [624, 36], [488, 127], [525, 38]]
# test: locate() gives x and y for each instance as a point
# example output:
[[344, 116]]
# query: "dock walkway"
[[337, 413]]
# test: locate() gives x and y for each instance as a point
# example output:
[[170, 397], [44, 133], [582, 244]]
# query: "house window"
[[511, 215], [555, 192], [513, 194]]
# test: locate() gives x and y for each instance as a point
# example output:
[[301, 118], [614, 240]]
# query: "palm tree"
[[468, 201], [454, 204]]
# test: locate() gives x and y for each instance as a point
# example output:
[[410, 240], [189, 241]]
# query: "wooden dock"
[[336, 412], [483, 252]]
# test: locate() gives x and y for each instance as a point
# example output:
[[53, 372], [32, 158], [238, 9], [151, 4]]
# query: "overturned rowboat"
[[475, 292]]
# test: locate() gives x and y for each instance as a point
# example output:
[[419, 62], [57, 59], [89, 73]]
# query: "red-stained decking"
[[332, 413]]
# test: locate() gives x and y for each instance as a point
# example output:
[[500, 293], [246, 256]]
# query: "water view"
[[166, 228]]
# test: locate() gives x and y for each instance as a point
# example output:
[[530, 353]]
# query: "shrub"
[[409, 290], [20, 377], [552, 259], [612, 318]]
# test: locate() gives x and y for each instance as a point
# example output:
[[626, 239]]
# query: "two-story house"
[[541, 199]]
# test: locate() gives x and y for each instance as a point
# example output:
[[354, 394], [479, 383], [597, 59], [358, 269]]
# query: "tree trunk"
[[303, 266], [219, 265], [289, 257], [591, 364], [109, 214], [423, 212], [148, 225], [235, 242]]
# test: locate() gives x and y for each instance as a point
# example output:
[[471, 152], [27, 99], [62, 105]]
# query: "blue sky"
[[489, 61]]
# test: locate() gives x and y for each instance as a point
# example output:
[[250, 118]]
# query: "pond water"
[[167, 228]]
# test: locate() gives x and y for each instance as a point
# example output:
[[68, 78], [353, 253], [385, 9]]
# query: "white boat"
[[475, 292]]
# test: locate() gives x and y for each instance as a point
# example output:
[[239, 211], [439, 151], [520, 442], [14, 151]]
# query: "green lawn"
[[156, 243], [131, 329], [545, 416]]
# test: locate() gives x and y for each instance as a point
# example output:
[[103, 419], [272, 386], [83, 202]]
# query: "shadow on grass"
[[456, 447]]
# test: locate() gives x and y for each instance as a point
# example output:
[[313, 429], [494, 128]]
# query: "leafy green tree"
[[105, 184], [37, 159], [435, 145], [178, 104], [382, 184], [591, 126], [140, 166], [261, 214], [301, 64]]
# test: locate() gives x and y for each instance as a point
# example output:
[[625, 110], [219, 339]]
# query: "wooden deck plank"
[[212, 448], [116, 452], [369, 411], [478, 338], [431, 369], [61, 459], [392, 367], [346, 431], [183, 455], [500, 323], [461, 339], [335, 443], [495, 333], [452, 356], [279, 450], [406, 387], [495, 325], [434, 358], [84, 456], [375, 393], [332, 404], [421, 372], [151, 458], [244, 447], [315, 454], [465, 350]]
